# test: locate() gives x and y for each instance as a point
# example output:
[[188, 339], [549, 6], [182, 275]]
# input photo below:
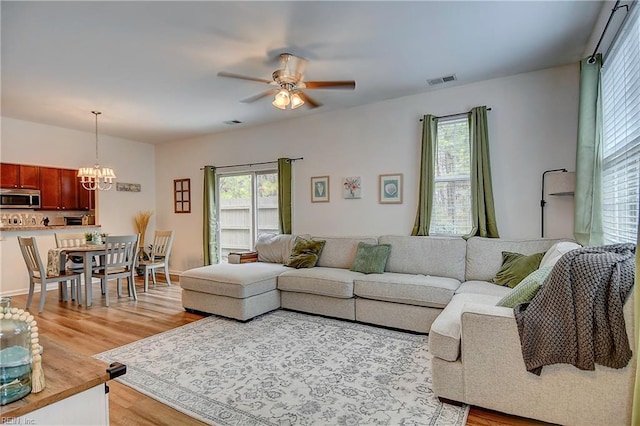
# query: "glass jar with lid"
[[15, 354]]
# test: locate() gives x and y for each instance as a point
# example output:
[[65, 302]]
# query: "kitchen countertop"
[[44, 228], [66, 373]]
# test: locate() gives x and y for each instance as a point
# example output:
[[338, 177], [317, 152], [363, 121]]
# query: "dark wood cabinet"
[[19, 176], [68, 190], [60, 189], [86, 199], [50, 188]]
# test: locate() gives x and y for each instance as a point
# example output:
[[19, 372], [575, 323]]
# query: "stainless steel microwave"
[[19, 198]]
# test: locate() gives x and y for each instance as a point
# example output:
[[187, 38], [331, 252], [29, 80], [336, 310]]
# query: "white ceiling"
[[151, 67]]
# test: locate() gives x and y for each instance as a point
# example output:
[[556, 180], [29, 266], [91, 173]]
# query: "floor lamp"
[[566, 189]]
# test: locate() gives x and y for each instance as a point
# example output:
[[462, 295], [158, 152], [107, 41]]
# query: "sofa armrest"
[[495, 376]]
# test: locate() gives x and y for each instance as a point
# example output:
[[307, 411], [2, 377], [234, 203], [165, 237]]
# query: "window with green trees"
[[451, 213]]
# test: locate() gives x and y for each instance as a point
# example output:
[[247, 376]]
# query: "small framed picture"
[[352, 187], [391, 189], [320, 189]]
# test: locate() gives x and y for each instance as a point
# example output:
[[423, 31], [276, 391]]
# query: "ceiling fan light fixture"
[[282, 99], [296, 101]]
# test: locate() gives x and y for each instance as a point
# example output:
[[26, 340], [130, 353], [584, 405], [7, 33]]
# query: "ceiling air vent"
[[440, 80], [232, 122]]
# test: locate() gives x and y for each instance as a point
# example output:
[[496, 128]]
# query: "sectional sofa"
[[434, 285]]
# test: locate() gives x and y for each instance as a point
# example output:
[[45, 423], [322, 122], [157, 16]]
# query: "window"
[[451, 212], [248, 207], [621, 135]]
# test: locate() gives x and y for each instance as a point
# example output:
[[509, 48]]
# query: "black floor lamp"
[[542, 201]]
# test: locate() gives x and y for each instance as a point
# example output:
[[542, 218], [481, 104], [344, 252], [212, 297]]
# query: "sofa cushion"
[[444, 336], [420, 290], [436, 256], [275, 248], [305, 253], [515, 267], [339, 252], [371, 258], [484, 255], [526, 289], [333, 282], [483, 287], [233, 280]]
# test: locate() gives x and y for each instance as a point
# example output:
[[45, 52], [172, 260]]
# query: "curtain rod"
[[454, 115], [592, 58], [251, 164]]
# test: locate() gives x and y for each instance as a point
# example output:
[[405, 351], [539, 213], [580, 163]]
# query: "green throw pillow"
[[515, 267], [305, 253], [371, 258], [527, 289]]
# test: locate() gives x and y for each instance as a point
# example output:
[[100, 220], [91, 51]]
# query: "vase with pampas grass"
[[141, 221]]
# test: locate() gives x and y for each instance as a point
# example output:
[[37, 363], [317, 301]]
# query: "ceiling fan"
[[289, 82]]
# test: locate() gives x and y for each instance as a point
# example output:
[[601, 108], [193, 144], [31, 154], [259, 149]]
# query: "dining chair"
[[159, 258], [119, 262], [76, 263], [38, 273]]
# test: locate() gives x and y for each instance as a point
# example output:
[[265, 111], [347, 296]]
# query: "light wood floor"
[[97, 329]]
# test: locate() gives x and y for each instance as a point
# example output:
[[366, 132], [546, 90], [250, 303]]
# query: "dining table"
[[87, 251]]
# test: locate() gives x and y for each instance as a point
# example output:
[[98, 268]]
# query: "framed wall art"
[[352, 187], [320, 189], [182, 195], [391, 189]]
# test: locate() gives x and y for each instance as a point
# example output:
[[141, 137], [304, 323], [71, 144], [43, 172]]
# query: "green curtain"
[[483, 213], [210, 228], [284, 195], [427, 173], [587, 221]]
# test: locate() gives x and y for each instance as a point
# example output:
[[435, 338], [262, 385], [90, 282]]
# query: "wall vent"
[[232, 122], [441, 80]]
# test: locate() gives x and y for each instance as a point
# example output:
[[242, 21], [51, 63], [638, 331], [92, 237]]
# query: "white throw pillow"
[[274, 248], [557, 251]]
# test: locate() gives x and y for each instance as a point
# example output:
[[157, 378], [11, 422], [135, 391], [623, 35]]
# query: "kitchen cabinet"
[[86, 199], [19, 176], [49, 188], [60, 189], [68, 190]]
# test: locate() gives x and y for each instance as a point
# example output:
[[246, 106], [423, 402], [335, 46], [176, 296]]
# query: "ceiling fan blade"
[[242, 77], [260, 96], [308, 100], [346, 84]]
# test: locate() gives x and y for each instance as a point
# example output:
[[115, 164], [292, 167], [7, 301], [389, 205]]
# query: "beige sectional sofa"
[[434, 285]]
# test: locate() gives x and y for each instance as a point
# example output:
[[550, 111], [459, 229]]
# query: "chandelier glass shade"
[[96, 177]]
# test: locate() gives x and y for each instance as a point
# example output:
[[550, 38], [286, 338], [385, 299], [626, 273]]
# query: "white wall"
[[133, 162], [532, 128]]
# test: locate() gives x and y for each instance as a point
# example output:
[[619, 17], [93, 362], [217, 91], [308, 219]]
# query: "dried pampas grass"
[[141, 221]]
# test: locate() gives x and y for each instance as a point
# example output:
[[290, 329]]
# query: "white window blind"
[[451, 213], [621, 135]]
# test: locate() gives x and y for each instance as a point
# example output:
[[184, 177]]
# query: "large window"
[[621, 135], [248, 204], [451, 212]]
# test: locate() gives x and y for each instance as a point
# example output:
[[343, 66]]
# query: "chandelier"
[[287, 96], [96, 178]]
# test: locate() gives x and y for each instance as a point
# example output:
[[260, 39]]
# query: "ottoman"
[[239, 291]]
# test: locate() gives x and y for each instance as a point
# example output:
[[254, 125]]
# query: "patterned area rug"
[[287, 368]]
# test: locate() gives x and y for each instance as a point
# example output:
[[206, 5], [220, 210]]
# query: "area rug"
[[288, 368]]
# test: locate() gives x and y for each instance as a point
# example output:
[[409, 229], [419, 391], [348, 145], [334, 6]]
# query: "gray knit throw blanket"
[[577, 316]]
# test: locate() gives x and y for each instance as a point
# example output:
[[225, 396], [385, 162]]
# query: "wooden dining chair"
[[119, 262], [38, 273], [159, 258]]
